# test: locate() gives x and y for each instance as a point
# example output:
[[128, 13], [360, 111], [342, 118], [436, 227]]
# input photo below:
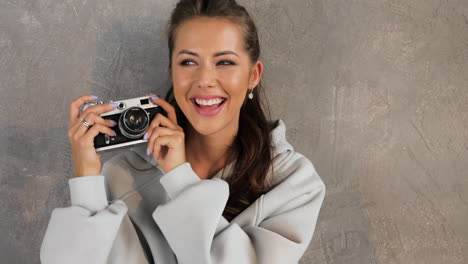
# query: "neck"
[[208, 153]]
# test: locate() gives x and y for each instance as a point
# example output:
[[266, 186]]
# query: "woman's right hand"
[[85, 159]]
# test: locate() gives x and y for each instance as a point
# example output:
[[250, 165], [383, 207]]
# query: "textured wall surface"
[[374, 92]]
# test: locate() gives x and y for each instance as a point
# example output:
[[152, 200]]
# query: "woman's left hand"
[[166, 142]]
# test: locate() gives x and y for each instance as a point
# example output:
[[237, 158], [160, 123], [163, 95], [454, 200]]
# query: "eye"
[[184, 62], [228, 62]]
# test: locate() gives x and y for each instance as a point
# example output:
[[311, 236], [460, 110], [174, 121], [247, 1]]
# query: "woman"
[[214, 184]]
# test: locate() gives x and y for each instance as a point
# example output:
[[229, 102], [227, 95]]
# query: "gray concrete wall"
[[374, 92]]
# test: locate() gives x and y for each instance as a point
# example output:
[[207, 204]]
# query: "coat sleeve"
[[90, 229], [194, 227]]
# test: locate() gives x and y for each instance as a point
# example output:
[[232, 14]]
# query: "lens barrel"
[[134, 122]]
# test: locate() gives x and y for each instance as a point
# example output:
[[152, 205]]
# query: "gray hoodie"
[[134, 212]]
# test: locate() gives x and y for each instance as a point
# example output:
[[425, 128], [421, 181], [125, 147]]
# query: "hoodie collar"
[[279, 142], [278, 136]]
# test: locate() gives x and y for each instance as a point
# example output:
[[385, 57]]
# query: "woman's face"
[[209, 59]]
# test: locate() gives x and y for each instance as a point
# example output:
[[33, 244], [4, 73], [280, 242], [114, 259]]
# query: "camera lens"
[[134, 122]]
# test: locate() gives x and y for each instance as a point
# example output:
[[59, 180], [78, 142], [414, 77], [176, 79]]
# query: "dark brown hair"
[[248, 179]]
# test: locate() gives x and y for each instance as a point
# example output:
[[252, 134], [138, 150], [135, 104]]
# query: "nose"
[[206, 76]]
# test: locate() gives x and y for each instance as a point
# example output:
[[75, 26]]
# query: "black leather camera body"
[[133, 117]]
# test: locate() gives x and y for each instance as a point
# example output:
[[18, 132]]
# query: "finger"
[[170, 141], [79, 128], [76, 104], [160, 119], [96, 109], [170, 110], [94, 131], [100, 108], [157, 132], [92, 119]]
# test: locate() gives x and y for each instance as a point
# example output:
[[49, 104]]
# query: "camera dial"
[[121, 106], [89, 104]]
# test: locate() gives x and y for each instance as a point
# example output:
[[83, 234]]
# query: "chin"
[[206, 127]]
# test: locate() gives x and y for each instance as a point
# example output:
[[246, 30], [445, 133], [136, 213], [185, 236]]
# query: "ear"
[[256, 74]]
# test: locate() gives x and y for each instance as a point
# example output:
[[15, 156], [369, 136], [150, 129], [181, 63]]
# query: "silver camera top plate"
[[143, 102]]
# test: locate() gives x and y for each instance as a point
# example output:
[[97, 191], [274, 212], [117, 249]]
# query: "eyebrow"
[[215, 55]]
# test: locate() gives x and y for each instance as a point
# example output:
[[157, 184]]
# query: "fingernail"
[[113, 122], [145, 137], [154, 97], [155, 160], [147, 151], [93, 96], [115, 134], [113, 104]]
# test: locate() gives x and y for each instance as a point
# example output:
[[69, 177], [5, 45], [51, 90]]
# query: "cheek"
[[236, 80], [181, 78], [180, 83]]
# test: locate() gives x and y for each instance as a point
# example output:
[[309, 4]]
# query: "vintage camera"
[[132, 116]]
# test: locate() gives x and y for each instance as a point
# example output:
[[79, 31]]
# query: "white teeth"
[[209, 102]]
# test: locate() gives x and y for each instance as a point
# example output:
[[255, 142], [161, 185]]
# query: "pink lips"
[[208, 111]]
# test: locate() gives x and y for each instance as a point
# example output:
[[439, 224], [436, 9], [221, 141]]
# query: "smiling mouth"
[[208, 106]]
